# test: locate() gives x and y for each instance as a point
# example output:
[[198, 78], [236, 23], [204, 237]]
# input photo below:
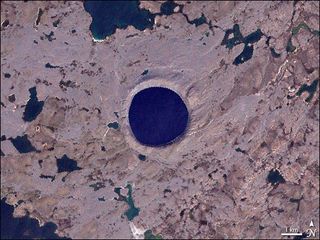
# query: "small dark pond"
[[22, 144], [113, 125], [24, 227], [33, 107], [198, 21], [142, 157], [66, 164], [167, 8], [311, 89], [274, 177], [157, 116]]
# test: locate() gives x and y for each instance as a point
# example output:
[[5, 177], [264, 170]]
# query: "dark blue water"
[[304, 236], [311, 89], [238, 38], [274, 177], [244, 56], [65, 164], [47, 177], [7, 75], [198, 21], [107, 16], [253, 37], [167, 8], [24, 227], [145, 72], [157, 116], [48, 65], [33, 107], [142, 157], [97, 186], [274, 53], [22, 144], [113, 125], [235, 40]]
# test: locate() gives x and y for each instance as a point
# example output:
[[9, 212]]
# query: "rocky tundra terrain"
[[247, 165]]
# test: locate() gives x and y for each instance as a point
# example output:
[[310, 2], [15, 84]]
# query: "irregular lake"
[[157, 116], [33, 107], [238, 38], [24, 227], [66, 164], [22, 144], [133, 211], [107, 16]]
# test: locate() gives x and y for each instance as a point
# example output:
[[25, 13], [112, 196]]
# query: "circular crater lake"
[[157, 116]]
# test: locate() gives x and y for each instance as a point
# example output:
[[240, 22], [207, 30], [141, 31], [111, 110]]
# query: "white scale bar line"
[[291, 234]]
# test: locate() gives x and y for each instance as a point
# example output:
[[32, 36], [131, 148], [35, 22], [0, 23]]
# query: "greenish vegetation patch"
[[132, 212], [149, 235], [295, 31]]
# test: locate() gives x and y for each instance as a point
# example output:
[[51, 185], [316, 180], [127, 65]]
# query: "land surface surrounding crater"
[[248, 163]]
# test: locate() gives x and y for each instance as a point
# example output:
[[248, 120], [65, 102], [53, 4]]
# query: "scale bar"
[[291, 234]]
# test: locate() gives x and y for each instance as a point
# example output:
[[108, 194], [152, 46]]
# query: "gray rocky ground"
[[245, 120]]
